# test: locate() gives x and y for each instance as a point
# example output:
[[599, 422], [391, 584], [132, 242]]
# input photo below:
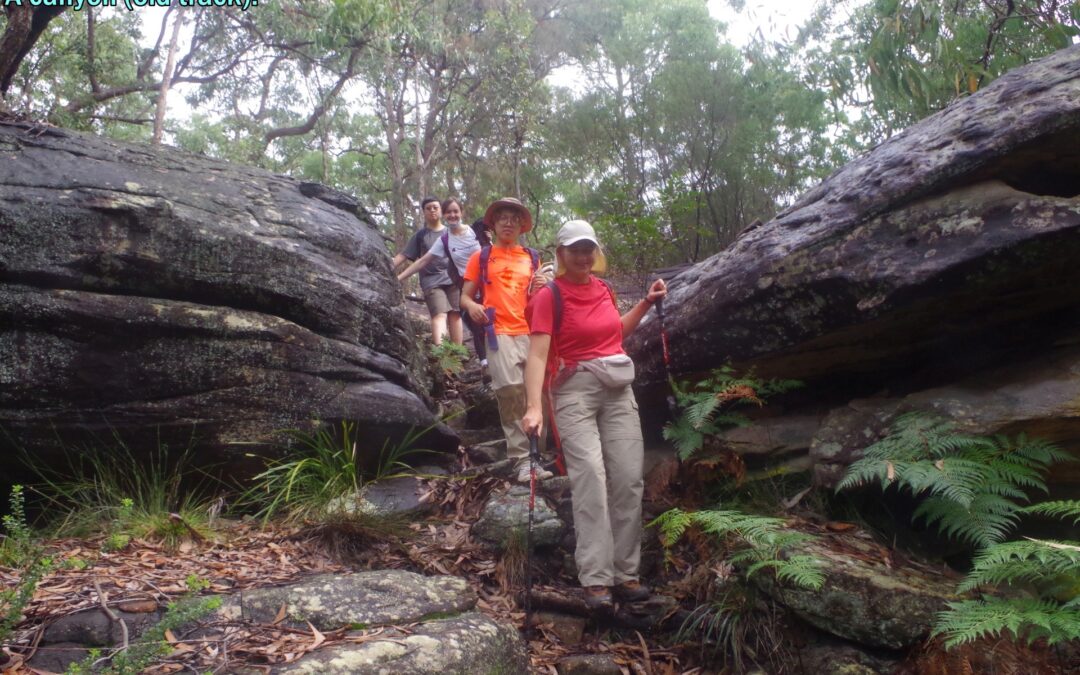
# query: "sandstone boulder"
[[937, 252], [156, 296]]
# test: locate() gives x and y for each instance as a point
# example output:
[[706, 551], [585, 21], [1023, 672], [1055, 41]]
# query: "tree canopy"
[[642, 117]]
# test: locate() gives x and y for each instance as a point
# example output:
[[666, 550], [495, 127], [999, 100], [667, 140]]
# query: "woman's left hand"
[[658, 291]]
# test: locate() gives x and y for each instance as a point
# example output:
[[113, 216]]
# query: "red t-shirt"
[[590, 325]]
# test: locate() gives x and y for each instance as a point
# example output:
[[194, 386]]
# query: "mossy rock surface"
[[374, 598], [864, 599], [469, 644]]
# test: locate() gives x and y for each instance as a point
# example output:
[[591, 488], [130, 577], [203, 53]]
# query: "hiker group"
[[559, 335]]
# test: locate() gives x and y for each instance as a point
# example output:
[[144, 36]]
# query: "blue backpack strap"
[[485, 257], [534, 255]]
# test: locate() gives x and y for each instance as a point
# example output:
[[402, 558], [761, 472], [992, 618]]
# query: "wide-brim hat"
[[511, 203], [573, 231]]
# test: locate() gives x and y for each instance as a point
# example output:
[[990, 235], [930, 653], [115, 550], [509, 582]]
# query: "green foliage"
[[152, 645], [22, 552], [1041, 583], [707, 406], [1065, 510], [736, 626], [1052, 565], [762, 543], [1019, 619], [124, 496], [970, 484], [914, 57], [449, 356], [972, 488], [323, 471]]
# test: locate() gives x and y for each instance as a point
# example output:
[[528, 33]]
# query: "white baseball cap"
[[573, 231]]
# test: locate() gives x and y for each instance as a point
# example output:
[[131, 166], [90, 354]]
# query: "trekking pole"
[[667, 357], [534, 459]]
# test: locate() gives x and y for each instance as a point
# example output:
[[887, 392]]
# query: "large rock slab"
[[1039, 396], [464, 645], [938, 252], [866, 597], [155, 295], [332, 601]]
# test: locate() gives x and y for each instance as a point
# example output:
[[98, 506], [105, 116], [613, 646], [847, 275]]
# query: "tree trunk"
[[166, 78]]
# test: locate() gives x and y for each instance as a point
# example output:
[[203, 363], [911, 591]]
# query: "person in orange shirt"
[[505, 289]]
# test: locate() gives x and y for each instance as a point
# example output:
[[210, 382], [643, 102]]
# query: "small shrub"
[[113, 492], [759, 543], [450, 356], [321, 471], [23, 552], [708, 406]]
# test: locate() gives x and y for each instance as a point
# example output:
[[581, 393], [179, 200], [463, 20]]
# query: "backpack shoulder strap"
[[451, 267], [611, 292], [485, 257], [556, 307], [534, 255]]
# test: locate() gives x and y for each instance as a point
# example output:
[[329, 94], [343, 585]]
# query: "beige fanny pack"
[[613, 371]]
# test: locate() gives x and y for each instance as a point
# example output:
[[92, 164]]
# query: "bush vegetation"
[[976, 489]]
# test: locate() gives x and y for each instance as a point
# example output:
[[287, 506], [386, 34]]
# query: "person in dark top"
[[440, 293]]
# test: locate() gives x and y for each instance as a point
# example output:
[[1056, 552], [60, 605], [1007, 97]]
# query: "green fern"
[[707, 406], [1065, 510], [1052, 567], [1022, 619], [762, 542], [972, 486]]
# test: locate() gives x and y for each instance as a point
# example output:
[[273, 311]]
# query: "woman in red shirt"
[[595, 412]]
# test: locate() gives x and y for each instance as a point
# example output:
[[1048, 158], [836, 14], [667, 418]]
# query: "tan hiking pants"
[[507, 369], [601, 440]]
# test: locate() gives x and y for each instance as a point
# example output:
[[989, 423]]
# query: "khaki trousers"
[[507, 369], [601, 440]]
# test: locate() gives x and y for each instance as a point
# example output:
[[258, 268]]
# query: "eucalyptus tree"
[[897, 61], [681, 138]]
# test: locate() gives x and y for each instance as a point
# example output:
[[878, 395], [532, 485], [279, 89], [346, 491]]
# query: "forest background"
[[659, 130]]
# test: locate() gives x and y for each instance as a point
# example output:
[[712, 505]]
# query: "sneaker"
[[597, 597], [523, 473], [630, 591]]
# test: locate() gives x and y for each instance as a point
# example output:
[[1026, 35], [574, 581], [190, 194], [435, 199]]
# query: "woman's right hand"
[[533, 421]]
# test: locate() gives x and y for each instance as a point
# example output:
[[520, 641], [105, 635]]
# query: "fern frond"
[[1024, 619], [987, 520], [700, 411], [672, 524], [1063, 509], [1027, 560], [686, 439], [803, 571]]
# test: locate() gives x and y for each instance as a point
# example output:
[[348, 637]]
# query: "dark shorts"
[[442, 299]]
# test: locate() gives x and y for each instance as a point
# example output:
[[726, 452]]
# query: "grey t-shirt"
[[434, 273], [462, 246]]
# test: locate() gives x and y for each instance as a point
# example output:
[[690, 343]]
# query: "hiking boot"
[[523, 473], [597, 597], [630, 591]]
